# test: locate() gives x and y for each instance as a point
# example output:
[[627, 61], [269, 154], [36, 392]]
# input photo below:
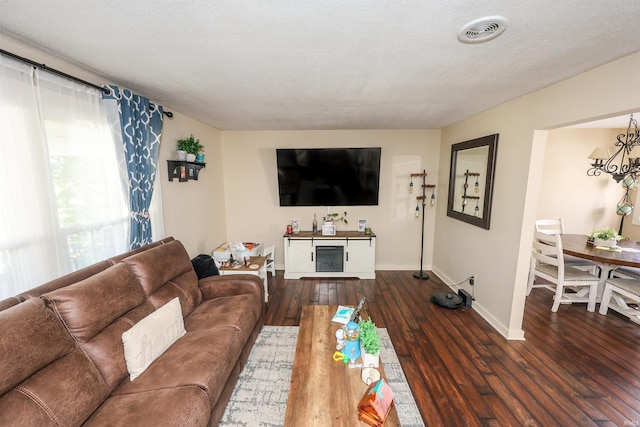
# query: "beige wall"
[[585, 203], [251, 190], [194, 211], [499, 257]]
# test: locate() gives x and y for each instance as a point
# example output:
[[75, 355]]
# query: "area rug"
[[260, 397]]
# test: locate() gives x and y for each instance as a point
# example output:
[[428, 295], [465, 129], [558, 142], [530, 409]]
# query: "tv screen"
[[328, 176]]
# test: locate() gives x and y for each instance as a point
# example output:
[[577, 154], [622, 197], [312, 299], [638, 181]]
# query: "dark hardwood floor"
[[575, 368]]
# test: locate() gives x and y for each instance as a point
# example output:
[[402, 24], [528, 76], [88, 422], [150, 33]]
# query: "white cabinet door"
[[359, 256], [299, 256]]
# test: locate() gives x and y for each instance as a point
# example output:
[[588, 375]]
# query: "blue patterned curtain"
[[141, 127]]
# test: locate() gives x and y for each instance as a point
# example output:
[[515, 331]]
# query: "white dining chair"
[[550, 226], [618, 294], [269, 252], [626, 273], [547, 263], [556, 226]]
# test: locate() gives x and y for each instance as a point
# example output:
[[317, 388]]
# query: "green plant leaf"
[[369, 336]]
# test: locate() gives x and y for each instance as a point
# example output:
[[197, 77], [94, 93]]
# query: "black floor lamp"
[[421, 274]]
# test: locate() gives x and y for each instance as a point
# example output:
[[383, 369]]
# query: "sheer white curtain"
[[60, 203], [25, 205]]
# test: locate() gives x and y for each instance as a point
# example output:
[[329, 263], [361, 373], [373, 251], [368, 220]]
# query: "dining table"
[[626, 254]]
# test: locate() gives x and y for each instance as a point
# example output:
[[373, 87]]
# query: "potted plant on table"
[[369, 343], [605, 237], [191, 147]]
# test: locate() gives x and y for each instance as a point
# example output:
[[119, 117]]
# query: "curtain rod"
[[60, 73]]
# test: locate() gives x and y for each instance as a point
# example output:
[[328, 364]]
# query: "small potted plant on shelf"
[[335, 217], [189, 147], [369, 343], [605, 237]]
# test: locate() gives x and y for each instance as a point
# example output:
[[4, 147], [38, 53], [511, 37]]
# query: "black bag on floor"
[[204, 266]]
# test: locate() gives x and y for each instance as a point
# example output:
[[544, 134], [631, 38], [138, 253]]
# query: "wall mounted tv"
[[328, 176]]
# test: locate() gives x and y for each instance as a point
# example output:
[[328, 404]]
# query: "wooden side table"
[[257, 266]]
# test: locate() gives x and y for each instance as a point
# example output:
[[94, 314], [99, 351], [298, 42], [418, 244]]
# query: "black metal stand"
[[421, 274]]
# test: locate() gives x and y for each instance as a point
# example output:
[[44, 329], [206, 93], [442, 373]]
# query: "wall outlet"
[[472, 280]]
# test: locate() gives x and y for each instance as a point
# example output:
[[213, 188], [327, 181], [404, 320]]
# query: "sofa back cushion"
[[42, 370], [97, 310], [88, 306], [31, 337], [9, 302], [65, 280], [85, 272], [117, 258], [166, 272]]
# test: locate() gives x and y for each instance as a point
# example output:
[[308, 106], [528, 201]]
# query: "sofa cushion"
[[152, 336], [31, 337], [65, 392], [239, 311], [87, 307], [201, 358], [42, 370], [179, 406], [97, 311], [165, 272], [231, 284]]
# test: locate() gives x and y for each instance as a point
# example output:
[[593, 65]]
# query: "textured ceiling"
[[326, 64]]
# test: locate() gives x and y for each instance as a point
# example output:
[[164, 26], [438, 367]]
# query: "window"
[[61, 205]]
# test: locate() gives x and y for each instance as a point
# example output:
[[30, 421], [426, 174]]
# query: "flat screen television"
[[328, 176]]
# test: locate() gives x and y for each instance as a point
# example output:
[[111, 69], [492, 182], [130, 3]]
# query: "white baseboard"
[[486, 315]]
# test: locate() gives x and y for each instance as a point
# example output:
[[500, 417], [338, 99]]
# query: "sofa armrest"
[[232, 284]]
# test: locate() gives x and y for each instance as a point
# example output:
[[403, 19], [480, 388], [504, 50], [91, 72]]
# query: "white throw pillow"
[[152, 336]]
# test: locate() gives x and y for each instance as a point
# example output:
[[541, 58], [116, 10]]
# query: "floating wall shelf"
[[184, 170]]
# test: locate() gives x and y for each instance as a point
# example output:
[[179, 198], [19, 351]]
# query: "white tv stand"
[[347, 254]]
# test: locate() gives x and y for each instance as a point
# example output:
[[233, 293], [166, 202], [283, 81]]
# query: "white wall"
[[499, 257], [251, 190]]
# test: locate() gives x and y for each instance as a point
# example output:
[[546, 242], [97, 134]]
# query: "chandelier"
[[625, 161]]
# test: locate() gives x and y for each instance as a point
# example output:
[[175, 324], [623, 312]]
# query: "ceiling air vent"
[[482, 30]]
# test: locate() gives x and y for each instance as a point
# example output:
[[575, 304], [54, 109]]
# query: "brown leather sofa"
[[61, 354]]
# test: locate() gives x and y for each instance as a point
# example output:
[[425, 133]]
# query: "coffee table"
[[324, 392]]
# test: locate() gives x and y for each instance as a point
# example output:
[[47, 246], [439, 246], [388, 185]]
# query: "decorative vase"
[[191, 157], [610, 243], [182, 155], [200, 158], [328, 228], [369, 360]]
